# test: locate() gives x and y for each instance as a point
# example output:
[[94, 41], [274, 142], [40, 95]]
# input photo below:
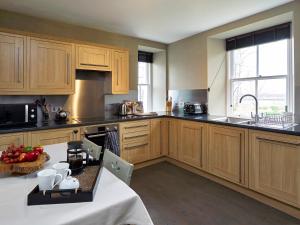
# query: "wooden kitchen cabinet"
[[135, 141], [55, 136], [192, 143], [15, 138], [12, 76], [158, 138], [173, 128], [120, 72], [51, 67], [93, 58], [274, 166], [227, 153]]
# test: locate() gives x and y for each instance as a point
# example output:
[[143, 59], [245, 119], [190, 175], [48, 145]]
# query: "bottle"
[[169, 105]]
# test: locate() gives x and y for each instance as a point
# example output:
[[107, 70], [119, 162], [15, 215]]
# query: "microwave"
[[12, 115]]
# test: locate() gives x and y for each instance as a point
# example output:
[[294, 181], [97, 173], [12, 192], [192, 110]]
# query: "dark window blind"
[[145, 57], [275, 33]]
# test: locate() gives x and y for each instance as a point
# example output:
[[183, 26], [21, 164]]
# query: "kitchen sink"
[[233, 120]]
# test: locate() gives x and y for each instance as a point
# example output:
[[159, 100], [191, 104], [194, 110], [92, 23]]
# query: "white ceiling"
[[158, 20]]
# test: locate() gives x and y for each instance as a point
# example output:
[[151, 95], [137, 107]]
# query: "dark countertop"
[[117, 119]]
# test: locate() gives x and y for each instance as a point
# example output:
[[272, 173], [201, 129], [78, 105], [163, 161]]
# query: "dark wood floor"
[[174, 196]]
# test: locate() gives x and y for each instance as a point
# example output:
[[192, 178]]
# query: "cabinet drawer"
[[142, 136], [136, 152], [135, 126], [8, 139], [93, 58]]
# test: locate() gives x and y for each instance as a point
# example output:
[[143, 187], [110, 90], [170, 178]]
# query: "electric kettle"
[[123, 110]]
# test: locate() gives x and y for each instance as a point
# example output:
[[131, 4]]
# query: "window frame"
[[149, 86], [289, 79]]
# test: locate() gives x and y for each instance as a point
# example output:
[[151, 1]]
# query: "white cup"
[[62, 168], [46, 179]]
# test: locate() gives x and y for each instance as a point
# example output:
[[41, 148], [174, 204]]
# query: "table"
[[114, 203]]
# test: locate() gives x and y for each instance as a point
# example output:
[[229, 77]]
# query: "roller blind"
[[145, 57], [275, 33]]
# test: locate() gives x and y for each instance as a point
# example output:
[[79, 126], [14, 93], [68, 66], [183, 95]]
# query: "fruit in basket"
[[14, 154]]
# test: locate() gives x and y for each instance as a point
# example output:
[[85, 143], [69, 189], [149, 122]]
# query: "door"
[[156, 133], [274, 166], [120, 72], [51, 69], [192, 143], [9, 139], [56, 136], [173, 138], [227, 151], [11, 63], [93, 58]]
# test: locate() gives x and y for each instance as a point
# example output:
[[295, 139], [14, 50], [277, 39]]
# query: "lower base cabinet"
[[227, 153], [136, 152], [192, 143], [56, 136], [15, 138], [274, 166], [173, 129]]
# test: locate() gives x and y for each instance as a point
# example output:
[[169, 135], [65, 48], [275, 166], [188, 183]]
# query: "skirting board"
[[252, 194]]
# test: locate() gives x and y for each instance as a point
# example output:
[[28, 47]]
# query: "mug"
[[46, 179], [62, 168]]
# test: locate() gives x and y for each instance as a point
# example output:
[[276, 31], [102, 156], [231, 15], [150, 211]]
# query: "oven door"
[[97, 138]]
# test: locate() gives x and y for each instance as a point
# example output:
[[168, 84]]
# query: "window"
[[145, 85], [264, 71]]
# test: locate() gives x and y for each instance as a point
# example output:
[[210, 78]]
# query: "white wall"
[[159, 79], [191, 60], [216, 76]]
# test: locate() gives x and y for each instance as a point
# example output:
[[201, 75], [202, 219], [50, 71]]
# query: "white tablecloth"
[[114, 203]]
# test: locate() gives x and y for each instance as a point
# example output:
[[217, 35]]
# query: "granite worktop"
[[295, 130]]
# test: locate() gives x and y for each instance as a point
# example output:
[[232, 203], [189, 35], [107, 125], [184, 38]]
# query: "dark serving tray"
[[88, 180]]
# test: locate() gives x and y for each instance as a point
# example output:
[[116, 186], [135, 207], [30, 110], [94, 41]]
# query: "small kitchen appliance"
[[77, 157], [14, 115], [123, 109], [194, 108], [61, 115]]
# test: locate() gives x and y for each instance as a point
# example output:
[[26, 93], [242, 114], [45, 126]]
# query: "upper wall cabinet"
[[11, 63], [51, 67], [93, 58], [120, 72]]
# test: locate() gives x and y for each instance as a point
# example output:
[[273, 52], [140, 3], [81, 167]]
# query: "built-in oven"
[[14, 115], [105, 136]]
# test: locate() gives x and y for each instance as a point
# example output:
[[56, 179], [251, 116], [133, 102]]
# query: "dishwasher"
[[101, 137]]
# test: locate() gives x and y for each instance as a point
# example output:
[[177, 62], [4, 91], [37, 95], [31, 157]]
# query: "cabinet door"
[[156, 136], [93, 58], [51, 69], [50, 137], [136, 152], [120, 72], [11, 63], [274, 166], [8, 139], [173, 138], [227, 153], [192, 143]]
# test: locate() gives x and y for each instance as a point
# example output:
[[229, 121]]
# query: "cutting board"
[[24, 167]]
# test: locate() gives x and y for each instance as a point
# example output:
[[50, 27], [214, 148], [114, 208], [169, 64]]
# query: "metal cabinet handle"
[[135, 146], [141, 135], [117, 72], [18, 64], [136, 126], [91, 64], [280, 142], [68, 65]]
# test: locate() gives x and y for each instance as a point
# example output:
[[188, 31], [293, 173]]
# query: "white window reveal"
[[265, 71]]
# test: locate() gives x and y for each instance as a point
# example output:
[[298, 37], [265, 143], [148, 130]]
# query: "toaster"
[[194, 108]]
